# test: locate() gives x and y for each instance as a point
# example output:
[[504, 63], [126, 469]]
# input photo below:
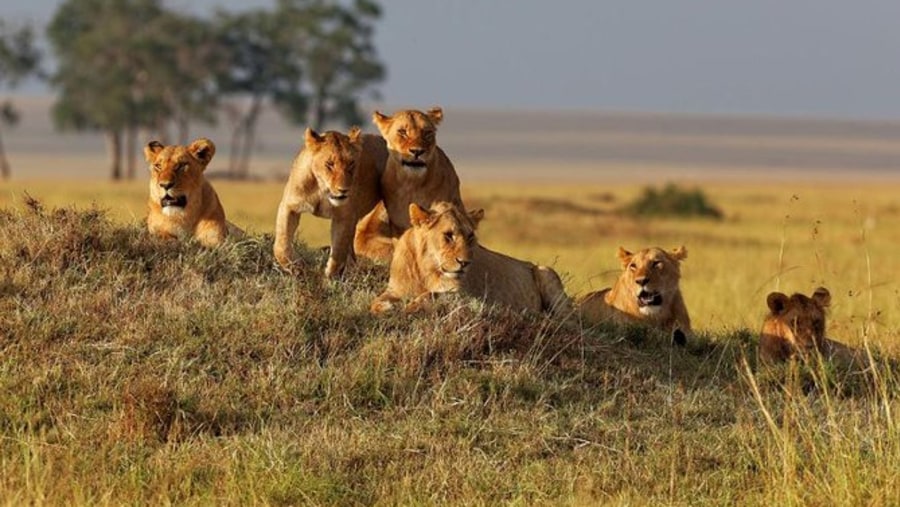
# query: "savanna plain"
[[137, 371]]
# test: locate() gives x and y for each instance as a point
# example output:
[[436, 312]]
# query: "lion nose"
[[642, 281], [417, 152], [166, 184], [343, 191]]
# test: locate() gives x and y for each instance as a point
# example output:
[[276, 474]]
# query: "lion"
[[795, 326], [440, 253], [334, 176], [417, 171], [647, 291], [182, 202]]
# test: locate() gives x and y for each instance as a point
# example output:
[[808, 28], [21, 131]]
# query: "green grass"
[[137, 371]]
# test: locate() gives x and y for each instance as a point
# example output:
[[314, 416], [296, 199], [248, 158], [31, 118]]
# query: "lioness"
[[795, 325], [647, 291], [417, 171], [182, 202], [334, 176], [440, 253]]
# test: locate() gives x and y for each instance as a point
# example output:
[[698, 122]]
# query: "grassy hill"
[[136, 371]]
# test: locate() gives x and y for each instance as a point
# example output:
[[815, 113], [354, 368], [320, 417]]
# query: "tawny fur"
[[176, 172], [658, 272], [334, 176], [795, 326], [417, 171], [440, 253]]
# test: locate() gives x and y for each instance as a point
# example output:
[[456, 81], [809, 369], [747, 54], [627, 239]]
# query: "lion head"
[[798, 320], [444, 237], [176, 172], [410, 136], [334, 157], [651, 276]]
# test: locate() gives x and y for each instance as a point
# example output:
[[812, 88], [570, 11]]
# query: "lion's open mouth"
[[415, 163], [646, 298], [177, 202]]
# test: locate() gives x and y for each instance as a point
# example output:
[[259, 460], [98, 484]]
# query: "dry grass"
[[143, 372]]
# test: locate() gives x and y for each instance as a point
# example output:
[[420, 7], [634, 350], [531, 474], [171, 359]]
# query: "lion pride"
[[440, 253], [795, 326], [334, 176], [646, 291], [182, 202], [417, 171]]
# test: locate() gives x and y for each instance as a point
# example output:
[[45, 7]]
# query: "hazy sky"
[[789, 57]]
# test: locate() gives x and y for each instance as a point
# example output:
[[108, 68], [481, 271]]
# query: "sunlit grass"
[[137, 371]]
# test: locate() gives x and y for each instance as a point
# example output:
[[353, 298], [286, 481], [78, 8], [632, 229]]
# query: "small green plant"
[[673, 201]]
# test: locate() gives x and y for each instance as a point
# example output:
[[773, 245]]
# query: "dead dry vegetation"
[[139, 371]]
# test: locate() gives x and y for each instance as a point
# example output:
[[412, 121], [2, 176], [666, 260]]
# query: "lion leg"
[[373, 235], [341, 246], [210, 233], [384, 303], [286, 223], [553, 294]]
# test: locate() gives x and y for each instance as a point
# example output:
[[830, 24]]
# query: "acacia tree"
[[305, 52], [126, 65], [18, 58], [342, 62]]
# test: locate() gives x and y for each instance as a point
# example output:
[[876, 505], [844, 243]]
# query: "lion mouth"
[[413, 164], [453, 274], [337, 199], [646, 298], [168, 201]]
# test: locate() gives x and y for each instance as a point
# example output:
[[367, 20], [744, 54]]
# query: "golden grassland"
[[137, 371], [786, 236]]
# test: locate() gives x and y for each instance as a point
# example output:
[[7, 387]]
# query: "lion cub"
[[647, 291], [440, 253], [417, 171], [182, 202], [795, 325], [334, 176]]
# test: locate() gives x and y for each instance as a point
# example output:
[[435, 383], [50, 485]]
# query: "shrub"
[[673, 201]]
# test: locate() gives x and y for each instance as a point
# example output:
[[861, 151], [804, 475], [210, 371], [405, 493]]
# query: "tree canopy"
[[130, 65]]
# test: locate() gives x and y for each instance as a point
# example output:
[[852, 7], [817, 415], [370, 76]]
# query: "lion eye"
[[448, 236], [157, 167], [470, 238], [632, 266], [401, 132], [329, 165], [658, 265]]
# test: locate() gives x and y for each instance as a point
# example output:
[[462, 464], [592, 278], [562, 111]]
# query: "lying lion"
[[335, 176], [440, 253], [647, 291], [417, 171], [795, 326], [182, 202]]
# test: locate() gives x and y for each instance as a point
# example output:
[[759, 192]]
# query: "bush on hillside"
[[673, 201]]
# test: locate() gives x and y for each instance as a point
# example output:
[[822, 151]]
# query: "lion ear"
[[624, 256], [151, 150], [312, 138], [679, 254], [436, 114], [822, 296], [777, 302], [418, 215], [382, 121], [476, 216], [354, 134], [203, 150]]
